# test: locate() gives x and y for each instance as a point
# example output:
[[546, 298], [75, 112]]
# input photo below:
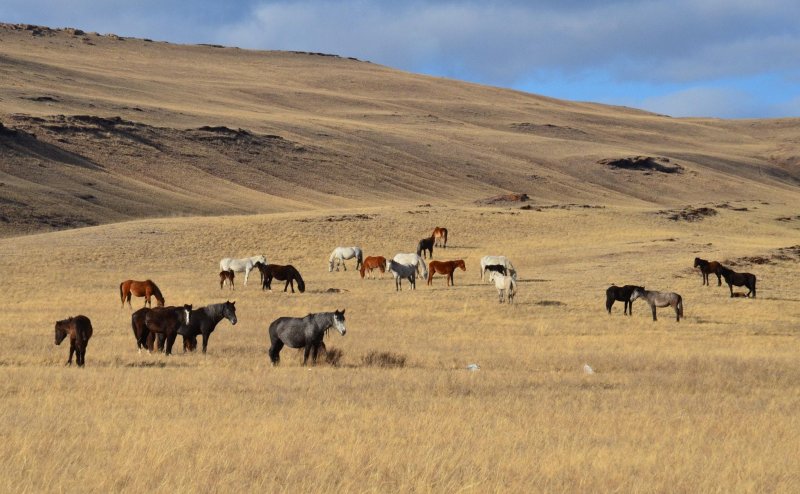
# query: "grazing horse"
[[660, 299], [708, 267], [412, 259], [303, 332], [148, 323], [426, 244], [245, 265], [226, 276], [440, 234], [79, 329], [144, 289], [340, 254], [506, 285], [403, 272], [498, 260], [373, 262], [623, 294], [732, 278], [203, 321], [286, 273], [446, 268]]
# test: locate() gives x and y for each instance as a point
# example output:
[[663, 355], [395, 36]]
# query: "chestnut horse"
[[440, 235], [79, 330], [446, 268], [371, 263], [144, 289], [709, 267]]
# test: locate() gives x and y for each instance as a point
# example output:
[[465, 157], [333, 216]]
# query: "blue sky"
[[718, 58]]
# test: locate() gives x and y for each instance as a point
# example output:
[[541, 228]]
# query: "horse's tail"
[[362, 270], [680, 306], [360, 258], [122, 293], [444, 230]]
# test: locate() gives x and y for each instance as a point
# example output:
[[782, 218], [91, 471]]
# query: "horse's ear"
[[343, 311]]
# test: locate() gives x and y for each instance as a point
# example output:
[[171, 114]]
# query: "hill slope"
[[99, 129]]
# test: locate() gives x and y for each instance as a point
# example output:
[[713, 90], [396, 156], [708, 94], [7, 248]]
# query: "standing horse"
[[286, 273], [226, 276], [148, 323], [426, 244], [446, 268], [144, 289], [660, 299], [203, 321], [440, 234], [623, 294], [706, 268], [412, 259], [373, 262], [339, 255], [498, 260], [79, 329], [739, 279], [242, 265], [303, 332], [403, 272], [506, 285]]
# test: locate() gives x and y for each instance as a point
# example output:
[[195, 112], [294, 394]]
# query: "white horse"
[[505, 285], [339, 254], [401, 272], [238, 265], [500, 261], [412, 259]]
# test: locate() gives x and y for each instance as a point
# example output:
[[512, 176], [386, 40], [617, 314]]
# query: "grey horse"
[[403, 272], [303, 332], [660, 299]]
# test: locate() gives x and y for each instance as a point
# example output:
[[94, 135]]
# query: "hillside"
[[99, 129]]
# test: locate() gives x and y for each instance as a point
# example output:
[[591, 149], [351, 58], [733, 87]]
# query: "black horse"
[[303, 332], [147, 323], [623, 294], [203, 321], [739, 279], [287, 273], [708, 267], [426, 244]]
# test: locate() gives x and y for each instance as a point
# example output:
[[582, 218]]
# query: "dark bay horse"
[[708, 267], [660, 299], [286, 273], [226, 276], [303, 332], [373, 262], [739, 279], [149, 323], [79, 329], [426, 244], [203, 321], [440, 234], [144, 289], [446, 268], [623, 294]]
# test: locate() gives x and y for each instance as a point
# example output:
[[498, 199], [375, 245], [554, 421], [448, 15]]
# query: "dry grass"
[[707, 404]]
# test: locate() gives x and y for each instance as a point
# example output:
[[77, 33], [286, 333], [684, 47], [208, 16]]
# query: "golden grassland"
[[707, 404]]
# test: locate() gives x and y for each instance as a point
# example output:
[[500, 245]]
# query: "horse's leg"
[[730, 285], [430, 276], [71, 351], [719, 279], [206, 336], [653, 306], [246, 275], [306, 352], [170, 341], [314, 353]]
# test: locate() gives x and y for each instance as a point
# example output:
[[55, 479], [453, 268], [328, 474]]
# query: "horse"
[[440, 234], [732, 278], [226, 276], [373, 262], [144, 289], [286, 273], [708, 267], [303, 332], [623, 294], [203, 321], [446, 268], [412, 259], [426, 244], [79, 329], [245, 264], [339, 255], [506, 285], [660, 299], [147, 323], [498, 260], [403, 272]]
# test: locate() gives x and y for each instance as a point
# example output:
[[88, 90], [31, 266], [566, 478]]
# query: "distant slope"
[[99, 129]]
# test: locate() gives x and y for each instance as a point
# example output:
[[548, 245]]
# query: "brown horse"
[[440, 235], [371, 263], [148, 323], [226, 276], [79, 329], [446, 268], [709, 267], [144, 289]]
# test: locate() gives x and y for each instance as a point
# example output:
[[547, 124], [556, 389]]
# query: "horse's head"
[[187, 312], [697, 261], [229, 311], [637, 292], [338, 322], [61, 331], [460, 264], [301, 285]]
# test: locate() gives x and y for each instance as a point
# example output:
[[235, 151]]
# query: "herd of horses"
[[628, 293]]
